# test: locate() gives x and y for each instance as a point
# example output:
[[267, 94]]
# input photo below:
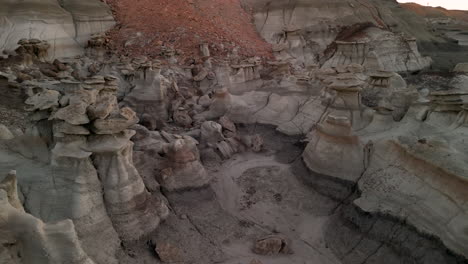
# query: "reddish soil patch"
[[145, 26]]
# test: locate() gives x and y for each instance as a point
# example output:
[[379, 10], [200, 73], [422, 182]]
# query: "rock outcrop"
[[149, 97], [66, 25], [393, 165], [294, 36], [378, 49], [27, 239]]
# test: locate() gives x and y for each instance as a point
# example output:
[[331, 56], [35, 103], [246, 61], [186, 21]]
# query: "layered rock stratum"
[[66, 25]]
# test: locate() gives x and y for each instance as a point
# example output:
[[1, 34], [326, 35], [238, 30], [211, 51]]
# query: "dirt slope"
[[144, 26]]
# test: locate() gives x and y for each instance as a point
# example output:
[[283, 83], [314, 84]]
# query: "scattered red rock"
[[147, 27]]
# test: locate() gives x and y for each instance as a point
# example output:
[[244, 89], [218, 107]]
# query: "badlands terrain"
[[233, 131]]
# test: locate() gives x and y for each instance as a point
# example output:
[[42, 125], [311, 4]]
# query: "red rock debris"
[[144, 27]]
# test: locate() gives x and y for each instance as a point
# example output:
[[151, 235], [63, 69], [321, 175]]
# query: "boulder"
[[168, 253], [461, 68], [43, 100], [272, 245], [211, 133], [5, 133]]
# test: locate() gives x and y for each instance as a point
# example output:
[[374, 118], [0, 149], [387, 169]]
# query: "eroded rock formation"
[[26, 239], [331, 39], [384, 163], [113, 145], [66, 25]]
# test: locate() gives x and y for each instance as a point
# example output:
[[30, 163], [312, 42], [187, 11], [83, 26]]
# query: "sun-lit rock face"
[[76, 162], [66, 25]]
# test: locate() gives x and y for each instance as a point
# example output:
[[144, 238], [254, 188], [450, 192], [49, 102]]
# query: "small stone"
[[272, 245], [461, 68], [201, 75], [257, 143], [168, 253], [227, 124], [59, 65], [211, 133], [5, 133], [21, 77], [182, 118], [49, 73]]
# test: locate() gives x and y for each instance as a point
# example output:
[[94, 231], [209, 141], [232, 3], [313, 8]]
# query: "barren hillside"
[[436, 12], [145, 26]]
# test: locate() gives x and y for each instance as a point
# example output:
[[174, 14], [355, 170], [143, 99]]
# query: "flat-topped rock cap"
[[381, 74], [348, 85]]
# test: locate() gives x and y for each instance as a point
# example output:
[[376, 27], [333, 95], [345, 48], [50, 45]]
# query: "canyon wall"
[[289, 26], [66, 25]]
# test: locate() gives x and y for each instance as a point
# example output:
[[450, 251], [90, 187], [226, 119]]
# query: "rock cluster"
[[87, 124], [32, 49], [377, 152], [169, 160], [222, 138]]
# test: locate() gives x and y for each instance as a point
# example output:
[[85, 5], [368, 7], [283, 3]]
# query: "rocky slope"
[[449, 24], [151, 27]]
